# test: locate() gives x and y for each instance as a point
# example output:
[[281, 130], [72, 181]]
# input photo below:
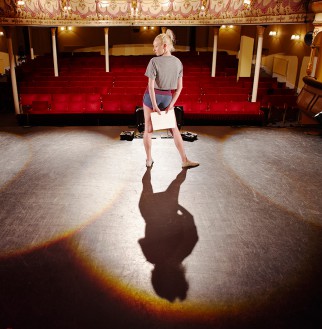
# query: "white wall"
[[4, 62], [281, 66]]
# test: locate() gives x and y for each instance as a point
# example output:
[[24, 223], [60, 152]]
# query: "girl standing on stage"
[[165, 73]]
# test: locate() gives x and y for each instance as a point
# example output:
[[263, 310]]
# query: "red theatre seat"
[[92, 106], [219, 108], [253, 108], [60, 98], [39, 107], [130, 102], [92, 103], [111, 103], [27, 99], [185, 103], [76, 106], [200, 107], [235, 107], [59, 107], [92, 97], [76, 97]]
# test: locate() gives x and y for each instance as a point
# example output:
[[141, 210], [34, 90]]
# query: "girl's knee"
[[175, 130], [148, 130]]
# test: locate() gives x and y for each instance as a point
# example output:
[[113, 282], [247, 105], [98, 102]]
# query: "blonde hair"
[[167, 38]]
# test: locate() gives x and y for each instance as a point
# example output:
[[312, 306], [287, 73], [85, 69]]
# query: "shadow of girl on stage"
[[170, 236]]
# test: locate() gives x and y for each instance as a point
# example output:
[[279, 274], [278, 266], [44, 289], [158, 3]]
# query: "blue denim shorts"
[[163, 98]]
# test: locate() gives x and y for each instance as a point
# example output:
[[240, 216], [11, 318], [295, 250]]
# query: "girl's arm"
[[152, 96], [176, 94]]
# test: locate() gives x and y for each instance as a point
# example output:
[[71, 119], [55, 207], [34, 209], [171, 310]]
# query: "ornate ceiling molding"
[[151, 12]]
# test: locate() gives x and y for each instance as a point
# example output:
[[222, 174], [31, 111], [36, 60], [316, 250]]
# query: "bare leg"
[[147, 136], [179, 143], [186, 163]]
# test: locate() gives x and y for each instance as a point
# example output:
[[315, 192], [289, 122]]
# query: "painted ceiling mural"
[[152, 12]]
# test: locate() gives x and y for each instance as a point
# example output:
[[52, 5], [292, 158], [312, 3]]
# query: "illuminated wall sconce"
[[272, 33], [20, 2], [295, 37], [1, 34], [150, 28], [227, 27], [64, 28]]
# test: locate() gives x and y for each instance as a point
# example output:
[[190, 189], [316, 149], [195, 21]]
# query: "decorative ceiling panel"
[[151, 12]]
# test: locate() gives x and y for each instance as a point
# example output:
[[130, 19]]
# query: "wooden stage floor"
[[91, 239]]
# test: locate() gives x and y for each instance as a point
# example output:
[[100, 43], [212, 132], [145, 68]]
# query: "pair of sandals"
[[186, 164]]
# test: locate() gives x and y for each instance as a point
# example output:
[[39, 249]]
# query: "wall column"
[[318, 44], [260, 33], [308, 99], [316, 7], [309, 68], [53, 39], [107, 64], [30, 43], [214, 51], [12, 70]]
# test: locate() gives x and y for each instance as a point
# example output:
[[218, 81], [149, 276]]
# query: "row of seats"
[[96, 103], [225, 111], [189, 101], [186, 99], [207, 86], [138, 88], [280, 108], [83, 86], [120, 91], [124, 81], [59, 90], [78, 103], [225, 107]]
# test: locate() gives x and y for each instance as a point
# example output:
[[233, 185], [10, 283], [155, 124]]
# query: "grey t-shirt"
[[165, 70]]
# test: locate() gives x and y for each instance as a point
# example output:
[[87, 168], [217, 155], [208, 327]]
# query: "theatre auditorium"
[[92, 238]]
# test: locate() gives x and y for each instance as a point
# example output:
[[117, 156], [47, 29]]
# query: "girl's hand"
[[157, 110], [169, 108]]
